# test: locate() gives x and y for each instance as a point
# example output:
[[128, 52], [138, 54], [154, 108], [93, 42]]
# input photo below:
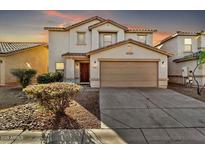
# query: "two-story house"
[[185, 47], [104, 53]]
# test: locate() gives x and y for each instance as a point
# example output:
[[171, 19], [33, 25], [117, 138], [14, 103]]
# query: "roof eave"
[[20, 50], [129, 41], [54, 28], [184, 60]]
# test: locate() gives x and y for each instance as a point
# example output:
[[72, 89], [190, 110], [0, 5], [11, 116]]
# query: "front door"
[[84, 72]]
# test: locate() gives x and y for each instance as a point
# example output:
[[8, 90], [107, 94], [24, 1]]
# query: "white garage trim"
[[131, 60], [134, 60]]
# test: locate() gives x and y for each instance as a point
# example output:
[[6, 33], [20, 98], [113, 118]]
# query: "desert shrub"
[[54, 97], [50, 77], [23, 75]]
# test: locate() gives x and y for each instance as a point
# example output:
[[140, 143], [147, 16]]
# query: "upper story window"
[[142, 38], [81, 38], [187, 45], [107, 39]]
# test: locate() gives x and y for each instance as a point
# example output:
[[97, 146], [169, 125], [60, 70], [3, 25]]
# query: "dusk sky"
[[28, 25]]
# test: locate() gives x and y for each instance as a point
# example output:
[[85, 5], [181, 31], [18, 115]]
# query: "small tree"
[[200, 61], [24, 75]]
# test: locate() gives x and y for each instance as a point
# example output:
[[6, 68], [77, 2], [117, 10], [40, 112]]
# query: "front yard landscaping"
[[189, 91], [11, 96], [16, 112]]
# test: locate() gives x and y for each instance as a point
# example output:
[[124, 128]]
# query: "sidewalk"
[[105, 136], [89, 136]]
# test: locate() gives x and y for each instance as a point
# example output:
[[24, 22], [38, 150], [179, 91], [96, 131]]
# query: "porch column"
[[69, 70]]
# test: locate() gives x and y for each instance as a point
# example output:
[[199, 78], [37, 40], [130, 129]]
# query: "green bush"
[[24, 75], [54, 96], [50, 77]]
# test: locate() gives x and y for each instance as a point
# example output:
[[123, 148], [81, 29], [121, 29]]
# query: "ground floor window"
[[59, 67]]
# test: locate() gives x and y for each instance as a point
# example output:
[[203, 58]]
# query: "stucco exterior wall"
[[135, 36], [62, 42], [58, 45], [181, 44], [74, 47], [106, 28], [120, 53], [201, 41], [69, 69], [35, 58], [176, 46]]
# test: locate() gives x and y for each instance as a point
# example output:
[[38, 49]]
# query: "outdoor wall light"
[[163, 64], [94, 64], [28, 65]]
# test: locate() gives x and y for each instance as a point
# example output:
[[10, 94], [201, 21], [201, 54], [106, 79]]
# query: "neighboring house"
[[104, 53], [185, 46], [21, 55]]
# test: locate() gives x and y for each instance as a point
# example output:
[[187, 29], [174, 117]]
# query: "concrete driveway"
[[151, 115]]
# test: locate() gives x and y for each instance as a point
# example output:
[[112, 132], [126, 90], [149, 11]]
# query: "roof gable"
[[130, 41], [110, 22], [74, 25]]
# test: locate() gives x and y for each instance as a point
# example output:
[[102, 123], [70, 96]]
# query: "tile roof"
[[10, 47], [134, 28], [128, 28], [130, 41]]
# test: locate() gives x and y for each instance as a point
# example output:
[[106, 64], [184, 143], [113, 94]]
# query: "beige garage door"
[[128, 74]]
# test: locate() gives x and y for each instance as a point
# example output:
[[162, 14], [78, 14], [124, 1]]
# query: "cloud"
[[61, 25], [69, 17]]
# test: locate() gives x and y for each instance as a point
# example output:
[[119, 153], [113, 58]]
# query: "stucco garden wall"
[[175, 72]]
